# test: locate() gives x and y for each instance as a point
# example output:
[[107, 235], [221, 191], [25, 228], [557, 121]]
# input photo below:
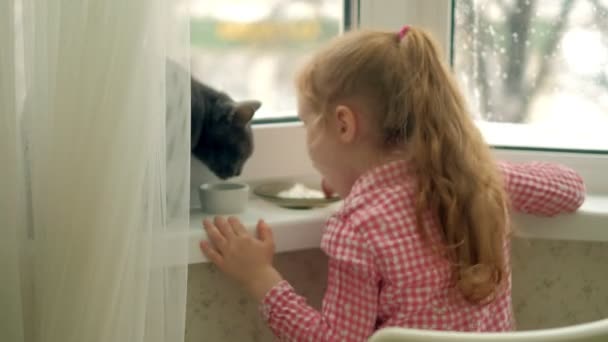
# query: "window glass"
[[542, 63], [251, 49]]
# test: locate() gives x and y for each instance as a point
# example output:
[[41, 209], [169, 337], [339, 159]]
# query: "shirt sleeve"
[[349, 307], [543, 188]]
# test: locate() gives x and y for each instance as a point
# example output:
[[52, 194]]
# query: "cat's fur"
[[221, 134], [220, 138]]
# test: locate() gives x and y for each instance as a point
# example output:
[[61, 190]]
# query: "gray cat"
[[221, 135]]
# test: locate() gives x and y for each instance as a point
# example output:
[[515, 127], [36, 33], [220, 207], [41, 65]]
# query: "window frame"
[[281, 153], [280, 147]]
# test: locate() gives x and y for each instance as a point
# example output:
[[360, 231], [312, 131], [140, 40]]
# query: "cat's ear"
[[244, 110]]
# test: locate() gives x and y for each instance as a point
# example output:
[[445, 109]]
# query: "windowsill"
[[296, 229], [292, 229], [302, 229]]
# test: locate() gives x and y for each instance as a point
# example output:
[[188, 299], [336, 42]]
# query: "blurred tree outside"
[[509, 53]]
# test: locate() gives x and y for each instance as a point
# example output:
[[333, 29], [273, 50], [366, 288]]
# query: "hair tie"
[[403, 31]]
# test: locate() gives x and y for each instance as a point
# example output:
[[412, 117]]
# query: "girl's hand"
[[327, 190], [241, 256]]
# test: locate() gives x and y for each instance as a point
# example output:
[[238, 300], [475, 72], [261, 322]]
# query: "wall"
[[555, 283]]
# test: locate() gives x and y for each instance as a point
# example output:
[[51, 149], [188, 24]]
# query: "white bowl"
[[223, 198]]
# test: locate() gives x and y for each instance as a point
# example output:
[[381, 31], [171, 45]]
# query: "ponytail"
[[420, 110]]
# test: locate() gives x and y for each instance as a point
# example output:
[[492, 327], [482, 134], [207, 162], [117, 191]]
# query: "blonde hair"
[[418, 105]]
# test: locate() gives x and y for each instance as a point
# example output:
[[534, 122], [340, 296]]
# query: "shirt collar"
[[383, 176]]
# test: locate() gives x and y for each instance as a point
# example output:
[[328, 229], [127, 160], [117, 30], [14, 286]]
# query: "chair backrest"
[[588, 332]]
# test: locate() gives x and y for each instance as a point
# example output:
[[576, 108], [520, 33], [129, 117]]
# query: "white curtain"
[[94, 170]]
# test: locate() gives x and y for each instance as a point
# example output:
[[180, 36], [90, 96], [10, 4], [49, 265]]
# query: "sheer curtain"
[[94, 160]]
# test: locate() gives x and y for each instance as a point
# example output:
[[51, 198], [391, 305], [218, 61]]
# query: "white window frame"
[[280, 149], [281, 153]]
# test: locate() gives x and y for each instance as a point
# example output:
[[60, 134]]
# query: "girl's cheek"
[[313, 155]]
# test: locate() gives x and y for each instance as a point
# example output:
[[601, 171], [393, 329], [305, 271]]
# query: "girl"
[[422, 238]]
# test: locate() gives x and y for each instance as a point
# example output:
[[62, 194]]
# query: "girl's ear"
[[346, 123]]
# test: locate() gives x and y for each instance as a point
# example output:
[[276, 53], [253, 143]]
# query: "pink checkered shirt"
[[382, 273]]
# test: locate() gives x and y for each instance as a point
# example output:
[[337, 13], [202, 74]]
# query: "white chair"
[[587, 332]]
